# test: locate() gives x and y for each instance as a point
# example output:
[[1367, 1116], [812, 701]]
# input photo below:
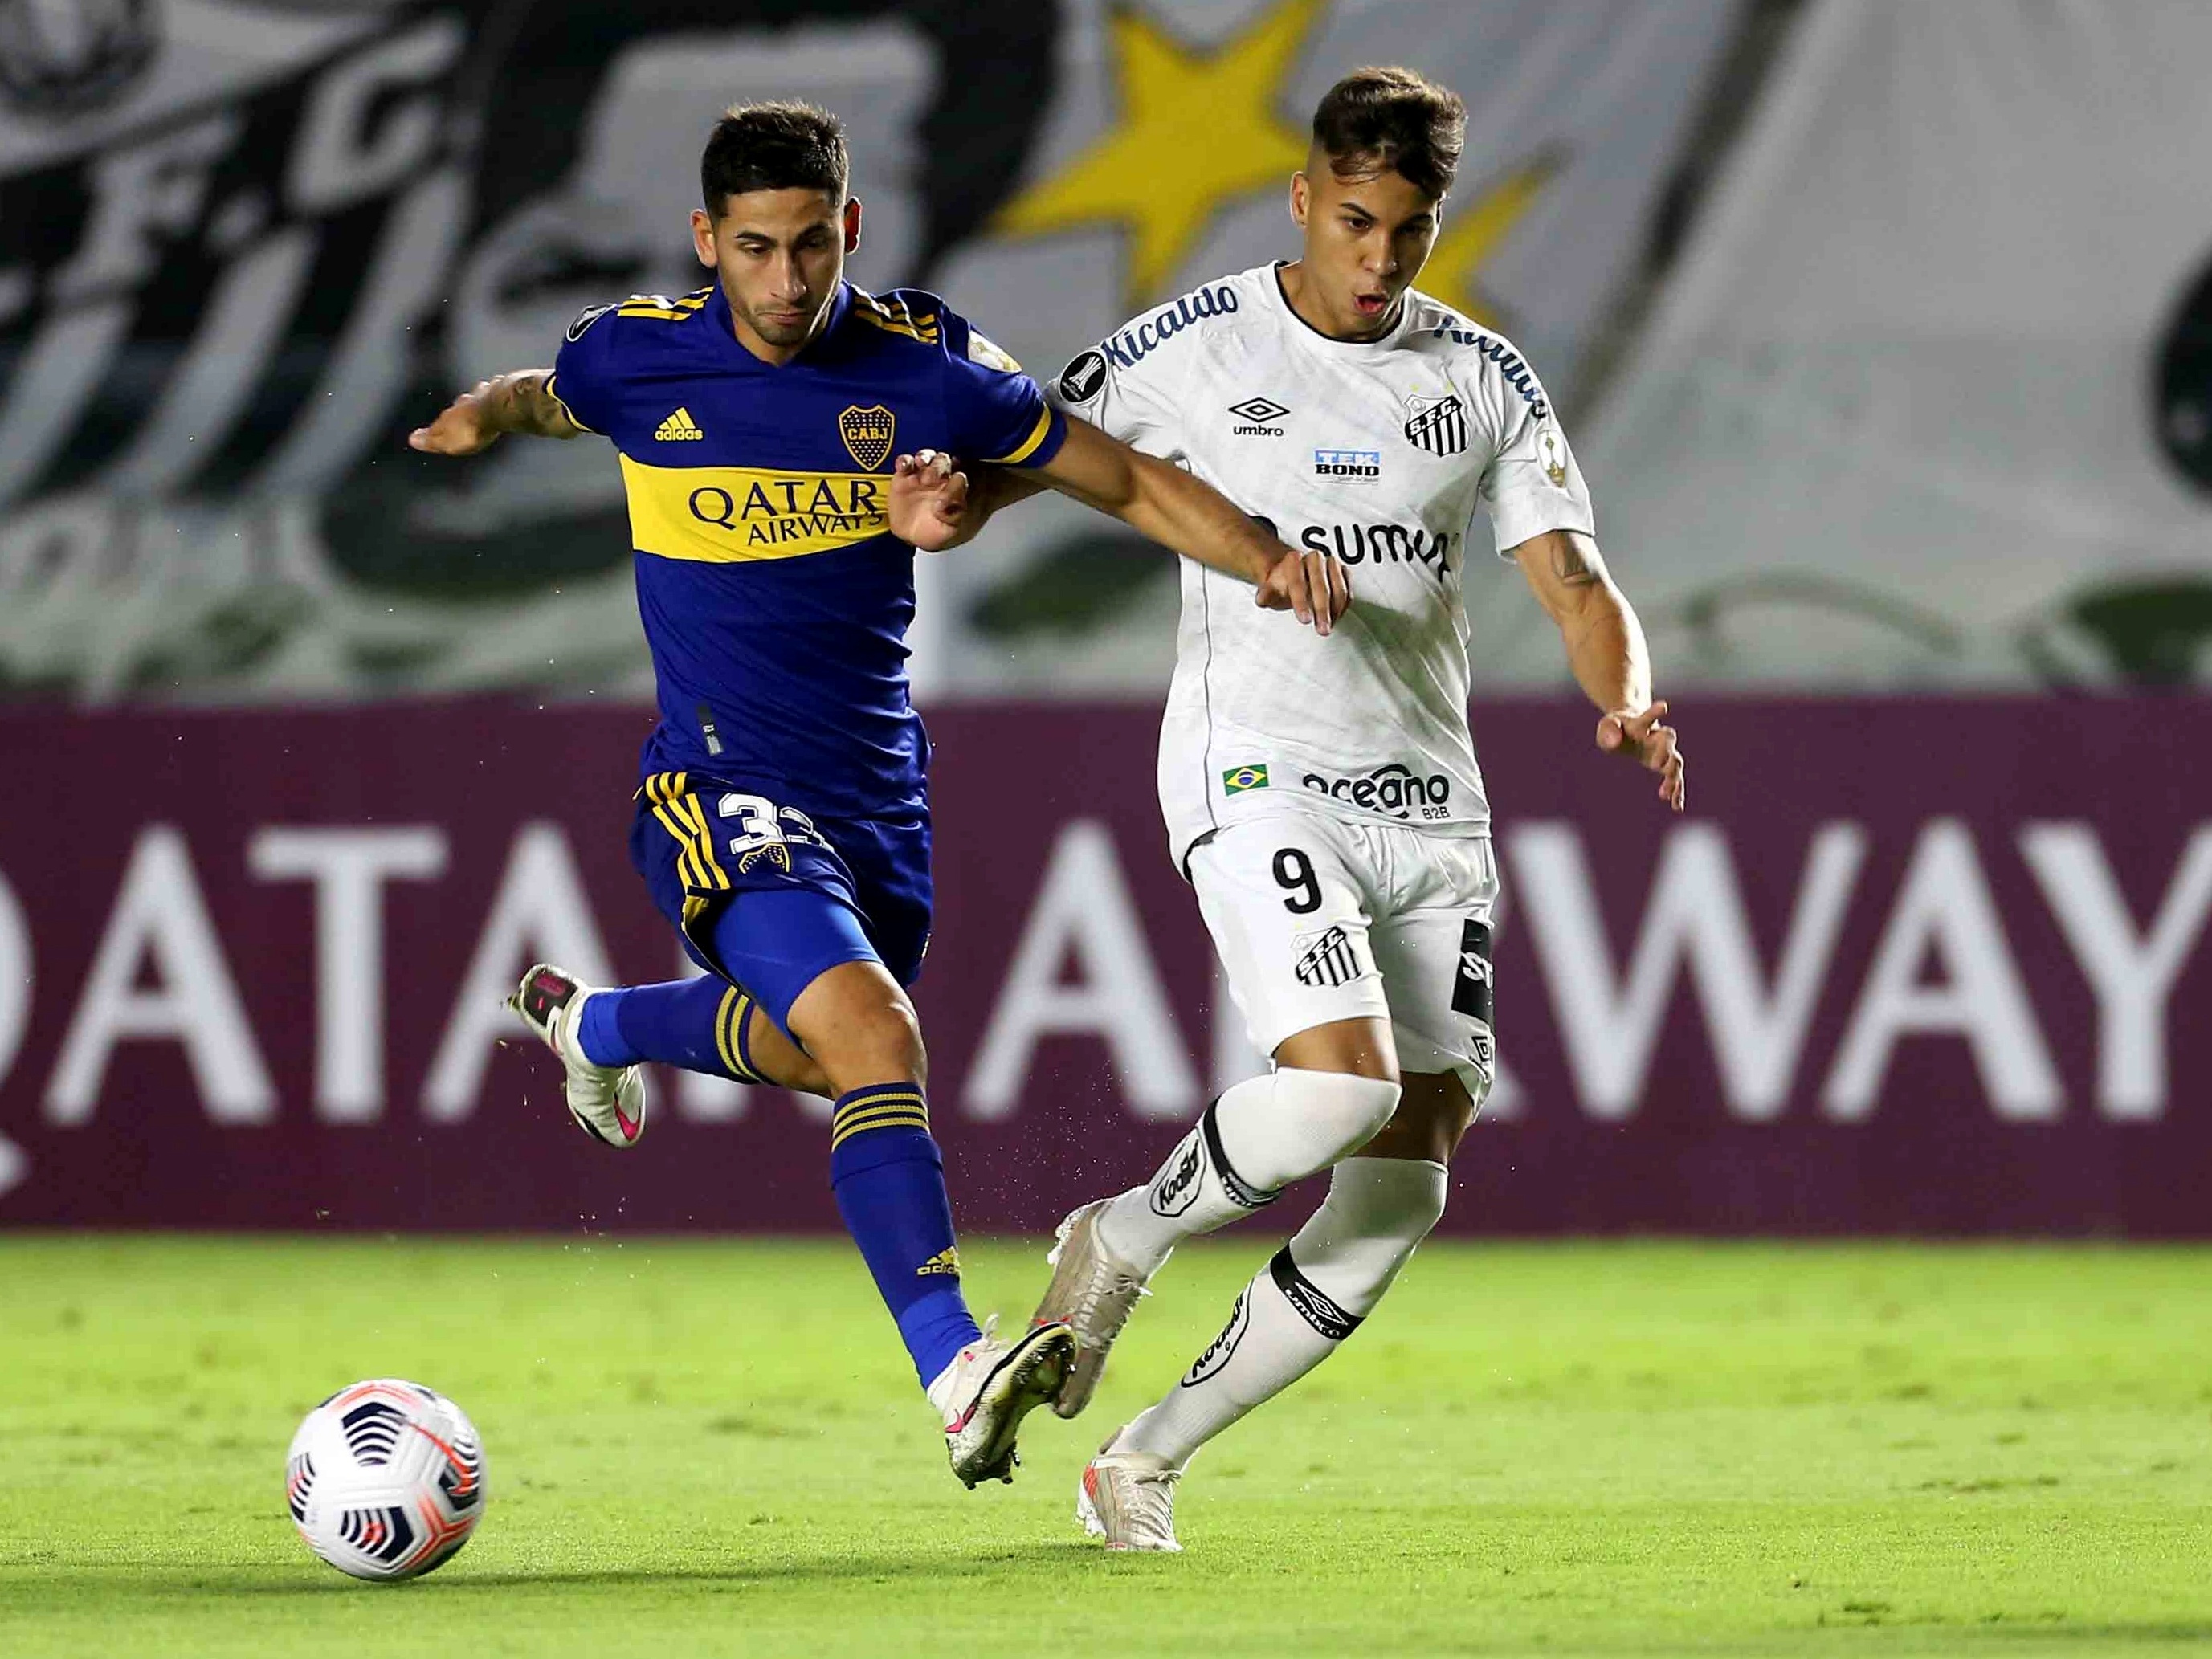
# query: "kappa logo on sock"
[[946, 1261], [1178, 1190], [1225, 1345]]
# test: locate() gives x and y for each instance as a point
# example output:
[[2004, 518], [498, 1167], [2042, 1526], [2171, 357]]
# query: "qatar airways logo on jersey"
[[1136, 343], [1397, 791], [1380, 544]]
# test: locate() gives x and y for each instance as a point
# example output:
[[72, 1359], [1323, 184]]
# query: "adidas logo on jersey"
[[946, 1261], [678, 428]]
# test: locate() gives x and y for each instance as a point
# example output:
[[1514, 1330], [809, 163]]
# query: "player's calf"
[[1300, 1308]]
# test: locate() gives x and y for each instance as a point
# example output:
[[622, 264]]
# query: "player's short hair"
[[773, 145], [1387, 121]]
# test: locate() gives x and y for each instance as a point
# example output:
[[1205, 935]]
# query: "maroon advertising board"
[[1906, 967]]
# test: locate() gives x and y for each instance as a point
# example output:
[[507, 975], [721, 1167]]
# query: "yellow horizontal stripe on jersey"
[[1028, 445], [654, 305], [736, 515], [920, 336], [900, 321]]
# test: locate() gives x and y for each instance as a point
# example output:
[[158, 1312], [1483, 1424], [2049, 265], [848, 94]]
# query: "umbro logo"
[[678, 428], [1258, 413]]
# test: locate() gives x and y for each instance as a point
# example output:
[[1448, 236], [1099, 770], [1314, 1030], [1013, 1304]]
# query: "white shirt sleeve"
[[1532, 483], [1136, 402]]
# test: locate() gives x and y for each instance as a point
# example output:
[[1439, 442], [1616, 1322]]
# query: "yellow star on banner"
[[1476, 231], [1197, 129]]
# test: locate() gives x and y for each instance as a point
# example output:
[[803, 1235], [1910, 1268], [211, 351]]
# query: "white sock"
[[1300, 1308], [1252, 1142]]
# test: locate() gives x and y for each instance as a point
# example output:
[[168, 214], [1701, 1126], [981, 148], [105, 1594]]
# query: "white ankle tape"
[[1378, 1211]]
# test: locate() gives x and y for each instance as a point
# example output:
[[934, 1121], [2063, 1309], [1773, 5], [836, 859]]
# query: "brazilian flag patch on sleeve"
[[1238, 780]]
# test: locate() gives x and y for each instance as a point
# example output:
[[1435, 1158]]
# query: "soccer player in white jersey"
[[1322, 793]]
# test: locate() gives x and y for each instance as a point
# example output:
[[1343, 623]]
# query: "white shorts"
[[1319, 918]]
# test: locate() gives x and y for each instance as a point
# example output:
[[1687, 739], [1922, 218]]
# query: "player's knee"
[[893, 1041], [1345, 1110], [874, 1041]]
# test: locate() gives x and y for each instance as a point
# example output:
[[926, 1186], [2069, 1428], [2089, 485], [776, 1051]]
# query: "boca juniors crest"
[[867, 433]]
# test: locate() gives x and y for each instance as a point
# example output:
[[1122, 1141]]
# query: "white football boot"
[[607, 1101], [1094, 1292], [986, 1390], [1127, 1498]]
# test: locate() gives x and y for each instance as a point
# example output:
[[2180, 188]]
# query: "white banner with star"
[[1166, 159], [262, 252], [1927, 400]]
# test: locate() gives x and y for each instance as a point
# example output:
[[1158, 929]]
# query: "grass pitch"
[[716, 1449]]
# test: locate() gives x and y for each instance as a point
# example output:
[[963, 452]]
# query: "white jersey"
[[1379, 451]]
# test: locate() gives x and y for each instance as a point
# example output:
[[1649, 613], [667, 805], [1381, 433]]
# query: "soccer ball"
[[386, 1480]]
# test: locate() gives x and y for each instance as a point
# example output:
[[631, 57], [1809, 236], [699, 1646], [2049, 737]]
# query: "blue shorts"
[[770, 898]]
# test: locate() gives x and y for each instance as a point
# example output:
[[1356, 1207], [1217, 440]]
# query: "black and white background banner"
[[243, 247]]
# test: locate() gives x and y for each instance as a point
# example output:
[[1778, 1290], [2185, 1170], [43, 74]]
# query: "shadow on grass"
[[123, 1582]]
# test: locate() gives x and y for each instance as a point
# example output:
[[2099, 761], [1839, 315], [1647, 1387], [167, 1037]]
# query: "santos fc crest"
[[867, 433]]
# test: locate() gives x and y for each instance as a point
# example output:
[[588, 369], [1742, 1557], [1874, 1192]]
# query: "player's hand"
[[461, 428], [929, 508], [1642, 739], [1312, 585]]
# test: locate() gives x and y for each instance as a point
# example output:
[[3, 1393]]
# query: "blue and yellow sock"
[[888, 1178], [696, 1024]]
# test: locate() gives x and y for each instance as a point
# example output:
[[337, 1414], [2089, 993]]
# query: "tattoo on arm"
[[1571, 567], [530, 407]]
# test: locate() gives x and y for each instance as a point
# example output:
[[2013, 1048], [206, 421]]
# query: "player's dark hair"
[[779, 146], [1386, 120]]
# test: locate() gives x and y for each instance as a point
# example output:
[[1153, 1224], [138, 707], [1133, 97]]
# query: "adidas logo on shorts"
[[676, 428]]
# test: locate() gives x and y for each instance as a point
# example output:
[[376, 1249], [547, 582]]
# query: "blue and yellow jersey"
[[775, 598]]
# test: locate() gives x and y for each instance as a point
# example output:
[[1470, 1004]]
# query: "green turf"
[[712, 1447]]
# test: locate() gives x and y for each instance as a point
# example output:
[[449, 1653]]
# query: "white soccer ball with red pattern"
[[386, 1480]]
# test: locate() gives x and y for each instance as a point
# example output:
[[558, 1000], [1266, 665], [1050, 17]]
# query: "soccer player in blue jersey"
[[767, 426]]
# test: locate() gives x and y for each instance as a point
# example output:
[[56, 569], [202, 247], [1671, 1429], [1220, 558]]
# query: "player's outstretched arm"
[[517, 402], [1606, 648], [1160, 500]]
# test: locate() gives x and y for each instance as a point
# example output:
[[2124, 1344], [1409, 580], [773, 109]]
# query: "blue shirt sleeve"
[[995, 412], [584, 379]]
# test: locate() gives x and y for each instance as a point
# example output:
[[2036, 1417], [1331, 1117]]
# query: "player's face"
[[780, 254], [1366, 238]]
